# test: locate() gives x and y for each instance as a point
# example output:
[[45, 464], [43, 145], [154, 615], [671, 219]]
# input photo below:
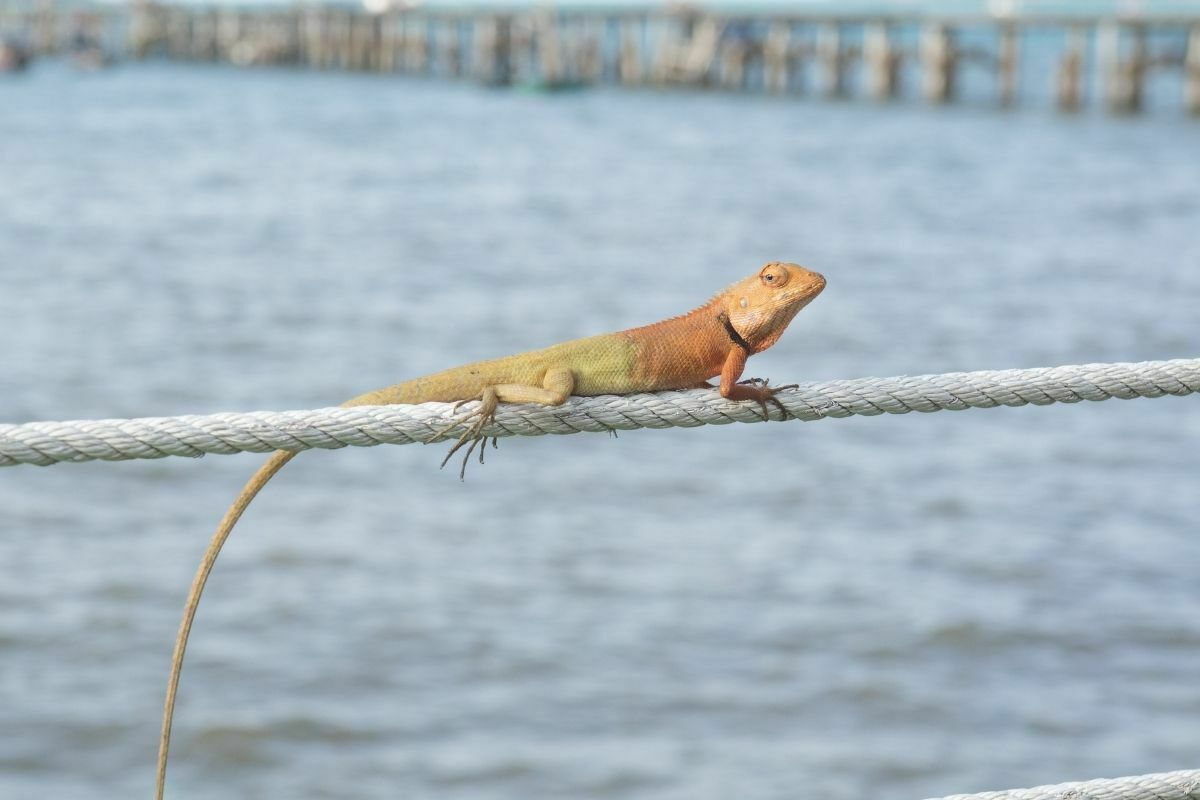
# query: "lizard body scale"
[[677, 353]]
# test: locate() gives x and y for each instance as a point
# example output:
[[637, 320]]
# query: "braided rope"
[[1182, 785], [45, 443]]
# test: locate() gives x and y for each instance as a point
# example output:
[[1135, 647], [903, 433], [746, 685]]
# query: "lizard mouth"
[[816, 283], [812, 287]]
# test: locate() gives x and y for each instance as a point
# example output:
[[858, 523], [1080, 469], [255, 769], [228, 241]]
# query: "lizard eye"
[[773, 275]]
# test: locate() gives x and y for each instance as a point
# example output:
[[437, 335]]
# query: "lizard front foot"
[[760, 390]]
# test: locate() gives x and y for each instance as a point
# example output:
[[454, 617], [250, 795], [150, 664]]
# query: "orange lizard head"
[[760, 307]]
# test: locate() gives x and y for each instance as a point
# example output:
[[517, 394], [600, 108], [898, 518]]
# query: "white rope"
[[1182, 785], [45, 443]]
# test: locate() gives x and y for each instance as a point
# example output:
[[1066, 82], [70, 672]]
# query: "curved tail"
[[252, 487]]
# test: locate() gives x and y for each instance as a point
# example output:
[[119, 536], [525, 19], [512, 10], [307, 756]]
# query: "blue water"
[[889, 607]]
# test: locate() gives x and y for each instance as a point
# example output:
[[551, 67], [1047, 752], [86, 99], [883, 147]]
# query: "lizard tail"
[[252, 487]]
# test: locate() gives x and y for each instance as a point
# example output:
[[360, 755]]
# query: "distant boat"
[[87, 53], [547, 86]]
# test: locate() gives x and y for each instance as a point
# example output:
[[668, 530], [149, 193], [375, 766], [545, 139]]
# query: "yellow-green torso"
[[674, 354]]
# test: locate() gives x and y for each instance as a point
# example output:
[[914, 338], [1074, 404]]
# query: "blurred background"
[[890, 607]]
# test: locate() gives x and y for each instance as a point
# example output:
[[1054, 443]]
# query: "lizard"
[[681, 352]]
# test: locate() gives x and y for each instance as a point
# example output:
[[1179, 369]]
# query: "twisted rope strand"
[[1181, 785], [45, 443]]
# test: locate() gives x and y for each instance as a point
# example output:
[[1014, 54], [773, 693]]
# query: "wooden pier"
[[1106, 60]]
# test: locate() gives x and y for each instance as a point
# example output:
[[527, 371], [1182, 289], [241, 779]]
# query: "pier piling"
[[1191, 66], [939, 62], [832, 59], [882, 60], [1069, 80], [1007, 60], [1123, 72]]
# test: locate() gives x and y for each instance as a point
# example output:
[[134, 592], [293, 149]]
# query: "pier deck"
[[1080, 60]]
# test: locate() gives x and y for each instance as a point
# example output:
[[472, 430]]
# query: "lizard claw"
[[483, 447]]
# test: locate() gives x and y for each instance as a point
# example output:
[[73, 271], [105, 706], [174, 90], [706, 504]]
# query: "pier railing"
[[1094, 59]]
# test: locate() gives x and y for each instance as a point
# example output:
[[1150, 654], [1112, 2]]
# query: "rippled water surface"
[[888, 607]]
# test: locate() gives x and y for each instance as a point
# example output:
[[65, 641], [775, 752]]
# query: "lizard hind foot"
[[472, 437]]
